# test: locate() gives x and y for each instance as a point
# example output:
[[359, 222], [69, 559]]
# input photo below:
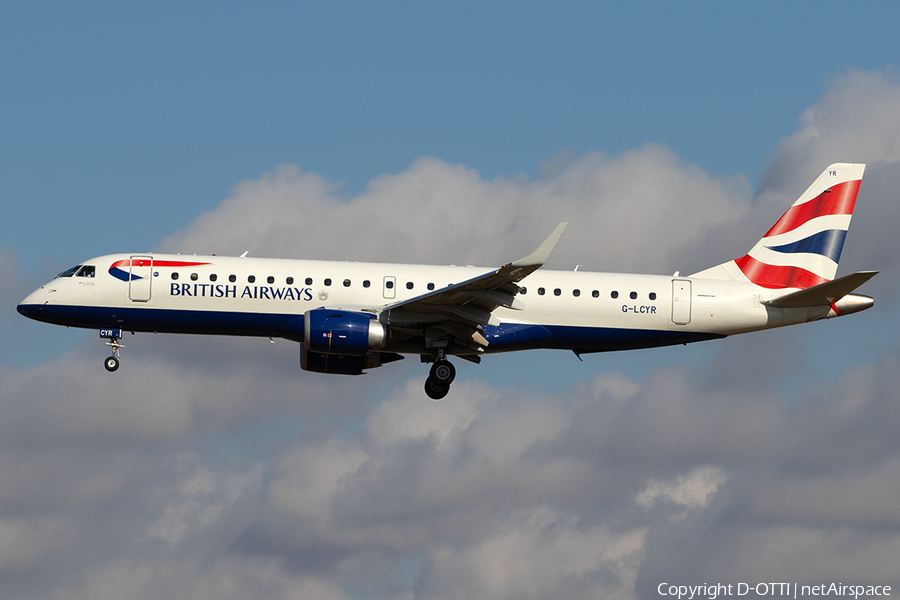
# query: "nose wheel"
[[439, 379], [113, 335]]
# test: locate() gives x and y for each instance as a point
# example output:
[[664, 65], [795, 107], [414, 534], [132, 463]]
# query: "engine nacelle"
[[343, 365], [342, 332], [331, 363]]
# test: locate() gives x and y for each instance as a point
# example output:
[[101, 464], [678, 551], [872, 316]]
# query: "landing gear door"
[[681, 301], [140, 277]]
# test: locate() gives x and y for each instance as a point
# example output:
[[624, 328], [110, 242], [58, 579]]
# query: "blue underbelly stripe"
[[503, 338]]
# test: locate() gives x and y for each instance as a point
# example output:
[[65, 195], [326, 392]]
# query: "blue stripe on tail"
[[828, 243]]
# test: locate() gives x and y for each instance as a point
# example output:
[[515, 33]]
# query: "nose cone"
[[28, 310], [32, 305]]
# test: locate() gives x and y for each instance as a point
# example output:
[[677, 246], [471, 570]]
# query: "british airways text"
[[213, 290]]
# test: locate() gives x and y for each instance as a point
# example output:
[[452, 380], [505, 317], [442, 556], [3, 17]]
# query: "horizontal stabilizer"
[[824, 294]]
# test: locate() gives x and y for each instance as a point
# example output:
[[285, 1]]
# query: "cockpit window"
[[85, 271], [69, 272]]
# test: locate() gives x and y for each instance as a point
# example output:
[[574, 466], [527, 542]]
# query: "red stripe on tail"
[[777, 277], [838, 200]]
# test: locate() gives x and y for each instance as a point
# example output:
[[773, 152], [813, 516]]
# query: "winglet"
[[540, 256]]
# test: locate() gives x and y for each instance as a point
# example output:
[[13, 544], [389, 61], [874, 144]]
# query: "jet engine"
[[342, 332]]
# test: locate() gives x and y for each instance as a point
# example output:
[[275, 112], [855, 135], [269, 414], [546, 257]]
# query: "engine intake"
[[342, 332]]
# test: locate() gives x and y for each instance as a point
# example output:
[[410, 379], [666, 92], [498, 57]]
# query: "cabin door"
[[140, 276], [681, 301]]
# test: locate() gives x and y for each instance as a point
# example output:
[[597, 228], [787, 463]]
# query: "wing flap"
[[488, 290], [461, 309]]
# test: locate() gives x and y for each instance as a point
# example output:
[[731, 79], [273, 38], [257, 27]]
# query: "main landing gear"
[[113, 335], [439, 379]]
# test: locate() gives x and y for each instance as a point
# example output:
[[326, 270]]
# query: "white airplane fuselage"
[[353, 316], [578, 310]]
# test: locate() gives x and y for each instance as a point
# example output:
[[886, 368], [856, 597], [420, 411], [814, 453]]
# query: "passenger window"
[[327, 281], [289, 281], [633, 295], [389, 284], [251, 279], [309, 281], [540, 291], [346, 283], [194, 277], [595, 293], [232, 278], [409, 285], [653, 295], [576, 293], [430, 286], [213, 277], [174, 276], [86, 271], [270, 279], [366, 283], [523, 290], [614, 294], [557, 292]]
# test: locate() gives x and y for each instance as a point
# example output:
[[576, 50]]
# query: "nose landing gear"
[[113, 335], [439, 379], [111, 363]]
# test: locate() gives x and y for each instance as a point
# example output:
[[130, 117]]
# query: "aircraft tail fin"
[[804, 246]]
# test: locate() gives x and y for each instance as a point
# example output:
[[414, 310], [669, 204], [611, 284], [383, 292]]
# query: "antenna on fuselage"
[[244, 255]]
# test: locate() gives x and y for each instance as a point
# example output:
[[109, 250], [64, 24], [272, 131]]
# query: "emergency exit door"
[[390, 287]]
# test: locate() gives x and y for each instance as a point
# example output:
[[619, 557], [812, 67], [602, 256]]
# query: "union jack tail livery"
[[803, 248]]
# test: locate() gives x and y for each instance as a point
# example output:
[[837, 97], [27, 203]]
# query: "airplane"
[[352, 316]]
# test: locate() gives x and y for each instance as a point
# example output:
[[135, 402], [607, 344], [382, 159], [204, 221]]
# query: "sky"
[[670, 136]]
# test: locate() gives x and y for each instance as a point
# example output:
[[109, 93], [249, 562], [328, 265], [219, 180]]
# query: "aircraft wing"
[[460, 310], [824, 294]]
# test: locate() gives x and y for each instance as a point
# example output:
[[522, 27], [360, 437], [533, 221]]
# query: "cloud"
[[201, 499], [537, 554], [637, 207], [586, 483], [644, 210], [857, 120], [230, 579], [690, 490], [501, 494]]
